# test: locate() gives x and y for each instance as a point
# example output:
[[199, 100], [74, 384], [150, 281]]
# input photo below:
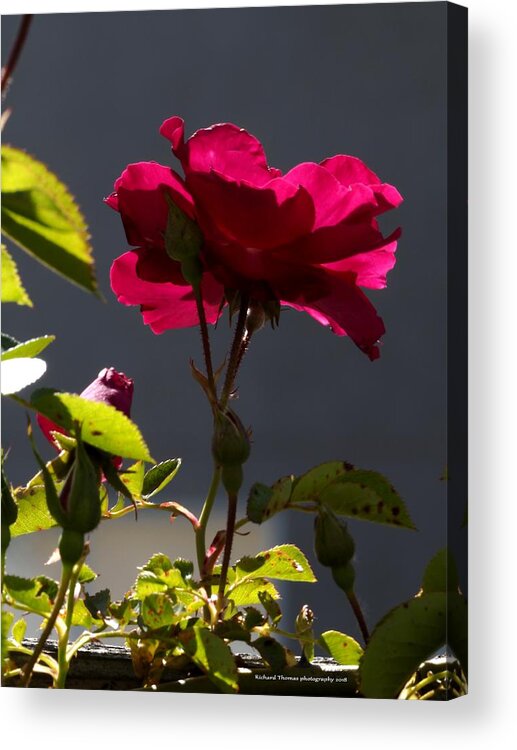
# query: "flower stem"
[[358, 612], [230, 530], [203, 519], [10, 65], [63, 662], [205, 338], [66, 575], [235, 354]]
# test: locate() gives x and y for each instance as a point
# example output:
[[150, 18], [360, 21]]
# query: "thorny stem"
[[230, 531], [358, 612], [235, 353], [66, 575], [12, 60], [203, 327]]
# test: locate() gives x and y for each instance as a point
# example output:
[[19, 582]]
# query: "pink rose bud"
[[109, 387]]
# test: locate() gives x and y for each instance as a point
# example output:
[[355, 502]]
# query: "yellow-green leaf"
[[40, 215], [12, 287], [101, 425]]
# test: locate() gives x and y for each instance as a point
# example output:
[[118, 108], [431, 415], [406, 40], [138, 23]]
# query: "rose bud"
[[333, 544], [109, 387]]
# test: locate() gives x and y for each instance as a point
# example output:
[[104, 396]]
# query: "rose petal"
[[224, 147], [347, 310], [349, 170], [370, 268], [139, 197], [152, 280], [253, 217]]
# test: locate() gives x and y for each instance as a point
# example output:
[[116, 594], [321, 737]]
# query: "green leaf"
[[87, 575], [272, 652], [264, 502], [102, 425], [285, 562], [12, 287], [33, 512], [19, 628], [36, 594], [98, 604], [159, 477], [133, 478], [157, 611], [341, 647], [30, 348], [309, 486], [82, 617], [40, 215], [407, 636], [366, 495], [164, 570], [267, 599], [212, 655], [18, 373], [441, 574], [248, 591], [158, 575]]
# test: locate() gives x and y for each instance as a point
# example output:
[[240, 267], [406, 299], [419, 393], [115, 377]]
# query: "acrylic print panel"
[[271, 202]]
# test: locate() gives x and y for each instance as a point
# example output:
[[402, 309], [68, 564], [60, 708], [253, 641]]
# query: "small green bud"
[[82, 504], [333, 544], [344, 576], [230, 443], [71, 546]]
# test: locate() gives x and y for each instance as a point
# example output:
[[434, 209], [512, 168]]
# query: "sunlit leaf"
[[12, 287], [36, 594], [212, 655], [40, 215], [102, 425], [17, 374], [285, 562], [30, 348], [342, 648]]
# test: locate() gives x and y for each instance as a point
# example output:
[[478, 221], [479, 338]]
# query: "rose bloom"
[[109, 387], [308, 239]]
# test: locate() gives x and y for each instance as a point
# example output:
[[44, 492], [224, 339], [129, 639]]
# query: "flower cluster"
[[308, 239]]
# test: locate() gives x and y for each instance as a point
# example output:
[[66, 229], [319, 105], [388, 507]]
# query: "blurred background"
[[88, 97]]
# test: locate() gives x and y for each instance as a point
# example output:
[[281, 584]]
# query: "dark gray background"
[[89, 95]]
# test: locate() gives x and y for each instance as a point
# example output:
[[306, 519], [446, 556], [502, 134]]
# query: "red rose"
[[109, 387], [308, 239]]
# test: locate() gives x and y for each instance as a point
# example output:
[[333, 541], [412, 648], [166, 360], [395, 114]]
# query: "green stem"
[[230, 531], [205, 338], [235, 353], [203, 519], [358, 612], [63, 662], [66, 575]]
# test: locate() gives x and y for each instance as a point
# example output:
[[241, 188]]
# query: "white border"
[[486, 717]]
